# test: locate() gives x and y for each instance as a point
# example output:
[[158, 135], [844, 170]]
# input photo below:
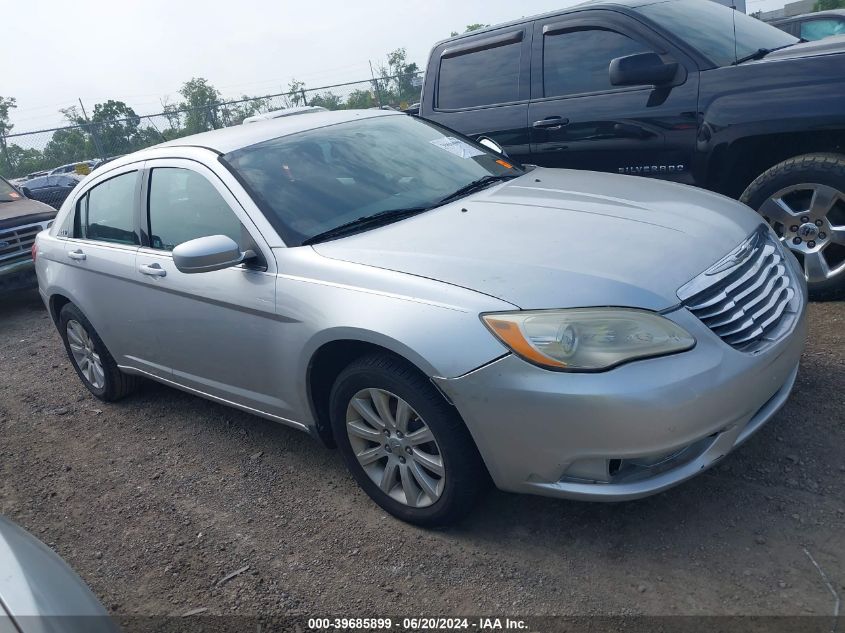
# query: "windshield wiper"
[[365, 222], [475, 185], [760, 53]]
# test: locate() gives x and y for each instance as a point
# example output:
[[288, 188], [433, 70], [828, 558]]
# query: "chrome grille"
[[16, 244], [748, 298]]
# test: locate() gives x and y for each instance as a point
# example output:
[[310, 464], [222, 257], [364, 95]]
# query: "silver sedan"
[[444, 316]]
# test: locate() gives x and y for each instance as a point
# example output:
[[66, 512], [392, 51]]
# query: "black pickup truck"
[[685, 90]]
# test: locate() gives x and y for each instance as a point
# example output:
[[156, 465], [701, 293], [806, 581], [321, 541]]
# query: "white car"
[[277, 114]]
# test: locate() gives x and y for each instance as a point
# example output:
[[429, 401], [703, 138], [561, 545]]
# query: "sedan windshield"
[[721, 34], [381, 169], [7, 192]]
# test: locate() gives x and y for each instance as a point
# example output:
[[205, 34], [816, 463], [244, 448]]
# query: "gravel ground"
[[156, 499]]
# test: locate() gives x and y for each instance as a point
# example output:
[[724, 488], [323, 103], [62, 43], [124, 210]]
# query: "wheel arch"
[[55, 304], [330, 356], [735, 165]]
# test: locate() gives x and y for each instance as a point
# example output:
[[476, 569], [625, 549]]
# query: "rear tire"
[[92, 361], [429, 483], [803, 199]]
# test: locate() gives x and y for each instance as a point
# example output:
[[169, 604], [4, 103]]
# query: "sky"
[[141, 51]]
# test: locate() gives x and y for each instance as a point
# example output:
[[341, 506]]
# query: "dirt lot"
[[155, 499]]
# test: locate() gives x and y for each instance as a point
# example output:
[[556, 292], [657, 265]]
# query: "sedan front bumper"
[[629, 432]]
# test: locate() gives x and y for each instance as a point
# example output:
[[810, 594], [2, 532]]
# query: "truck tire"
[[803, 199]]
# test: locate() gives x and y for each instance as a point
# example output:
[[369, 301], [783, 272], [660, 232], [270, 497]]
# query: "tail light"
[[35, 249]]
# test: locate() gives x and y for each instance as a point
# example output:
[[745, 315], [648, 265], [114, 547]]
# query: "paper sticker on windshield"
[[457, 147]]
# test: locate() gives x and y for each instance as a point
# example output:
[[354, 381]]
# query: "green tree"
[[116, 126], [200, 101], [397, 77], [235, 113], [361, 100], [68, 145], [328, 100], [6, 104], [296, 94], [827, 5], [470, 28], [22, 161]]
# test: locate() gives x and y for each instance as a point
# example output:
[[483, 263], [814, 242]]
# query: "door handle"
[[550, 123], [78, 255], [153, 270]]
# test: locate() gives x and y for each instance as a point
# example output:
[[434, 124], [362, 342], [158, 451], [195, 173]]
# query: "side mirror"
[[490, 144], [205, 254], [641, 69], [26, 191]]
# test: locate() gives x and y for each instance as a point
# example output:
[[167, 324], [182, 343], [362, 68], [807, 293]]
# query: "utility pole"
[[93, 131], [375, 83]]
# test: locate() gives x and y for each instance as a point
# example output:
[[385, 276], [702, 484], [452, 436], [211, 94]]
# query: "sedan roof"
[[238, 136]]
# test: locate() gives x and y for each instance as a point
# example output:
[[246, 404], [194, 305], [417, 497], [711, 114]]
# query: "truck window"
[[576, 62], [721, 34], [821, 28], [481, 77]]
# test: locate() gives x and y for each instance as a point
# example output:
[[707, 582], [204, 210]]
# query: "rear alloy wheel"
[[92, 361], [405, 445], [84, 356], [803, 200]]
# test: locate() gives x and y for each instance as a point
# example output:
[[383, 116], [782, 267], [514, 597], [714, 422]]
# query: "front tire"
[[803, 199], [93, 363], [404, 444]]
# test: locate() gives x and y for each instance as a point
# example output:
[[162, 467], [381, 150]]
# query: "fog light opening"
[[613, 466]]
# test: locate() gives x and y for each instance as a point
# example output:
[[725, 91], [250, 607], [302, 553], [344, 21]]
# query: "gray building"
[[739, 5], [793, 8]]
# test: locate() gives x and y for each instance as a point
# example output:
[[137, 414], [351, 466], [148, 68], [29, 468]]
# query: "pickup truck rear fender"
[[752, 120]]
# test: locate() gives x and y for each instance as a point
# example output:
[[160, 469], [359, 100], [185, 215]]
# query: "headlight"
[[587, 339]]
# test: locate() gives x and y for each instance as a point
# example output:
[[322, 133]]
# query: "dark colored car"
[[814, 26], [665, 89], [20, 221], [51, 189]]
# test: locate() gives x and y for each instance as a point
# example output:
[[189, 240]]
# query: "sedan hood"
[[24, 211], [562, 238]]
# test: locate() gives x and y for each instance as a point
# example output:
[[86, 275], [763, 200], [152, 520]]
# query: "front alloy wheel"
[[406, 446], [395, 447]]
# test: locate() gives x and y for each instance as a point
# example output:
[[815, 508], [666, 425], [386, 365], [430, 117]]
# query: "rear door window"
[[109, 210], [487, 76]]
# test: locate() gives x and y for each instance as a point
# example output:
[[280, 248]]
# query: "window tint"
[[721, 34], [111, 210], [36, 183], [185, 206], [480, 78], [819, 29], [575, 62]]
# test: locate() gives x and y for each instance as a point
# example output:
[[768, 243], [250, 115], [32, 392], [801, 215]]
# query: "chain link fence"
[[78, 148]]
